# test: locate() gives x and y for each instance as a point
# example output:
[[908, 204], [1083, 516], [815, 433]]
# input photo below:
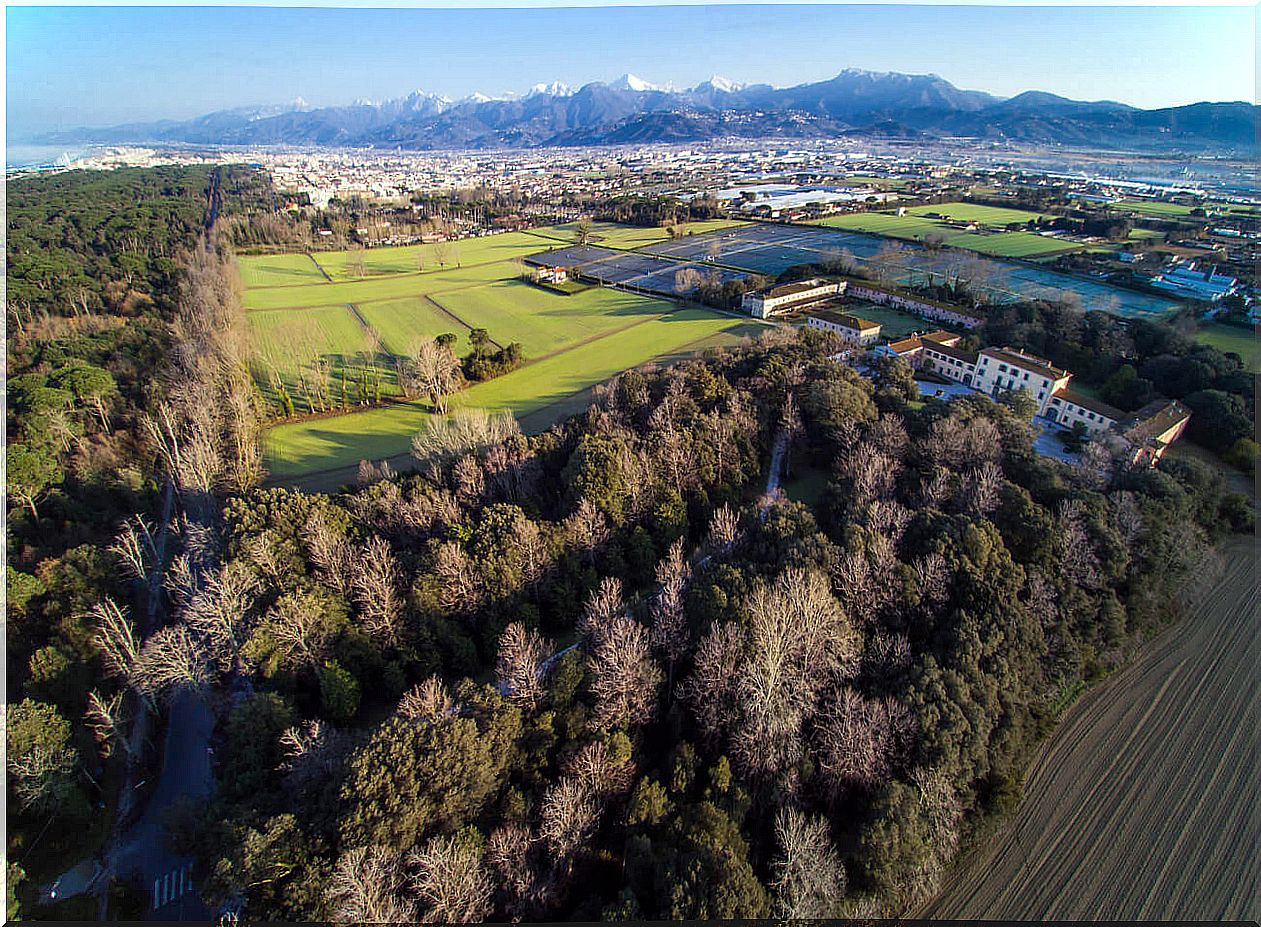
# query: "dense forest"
[[117, 303], [596, 674]]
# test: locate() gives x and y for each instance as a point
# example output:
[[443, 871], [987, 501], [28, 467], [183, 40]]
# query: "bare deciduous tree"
[[595, 767], [377, 582], [982, 487], [462, 432], [106, 718], [519, 666], [587, 528], [451, 881], [712, 689], [809, 875], [134, 546], [428, 701], [623, 676], [798, 639], [861, 740], [115, 638], [331, 555], [669, 623], [430, 369], [508, 853], [173, 658], [568, 817], [368, 886], [724, 531]]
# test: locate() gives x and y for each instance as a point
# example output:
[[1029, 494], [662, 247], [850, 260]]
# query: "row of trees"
[[102, 401], [692, 702]]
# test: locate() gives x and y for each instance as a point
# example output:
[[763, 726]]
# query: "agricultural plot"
[[278, 270], [612, 235], [430, 258], [1153, 208], [917, 227], [309, 332], [1142, 805], [302, 449], [373, 289], [545, 322], [294, 346], [1232, 338], [399, 322], [991, 216]]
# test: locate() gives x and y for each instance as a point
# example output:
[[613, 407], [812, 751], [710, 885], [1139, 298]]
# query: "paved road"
[[1143, 804], [186, 773]]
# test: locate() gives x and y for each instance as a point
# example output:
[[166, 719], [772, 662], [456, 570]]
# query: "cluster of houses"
[[1144, 435]]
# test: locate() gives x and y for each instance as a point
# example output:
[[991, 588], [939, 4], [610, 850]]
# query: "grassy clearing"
[[1148, 208], [278, 270], [373, 289], [299, 448], [894, 323], [1020, 244], [807, 485], [1241, 341]]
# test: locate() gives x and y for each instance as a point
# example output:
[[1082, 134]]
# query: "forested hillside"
[[594, 674]]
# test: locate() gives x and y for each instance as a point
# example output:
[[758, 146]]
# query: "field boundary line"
[[371, 332], [445, 311], [319, 267]]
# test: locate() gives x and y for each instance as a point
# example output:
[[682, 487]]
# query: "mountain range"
[[631, 110]]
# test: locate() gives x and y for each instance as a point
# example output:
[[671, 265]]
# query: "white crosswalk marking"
[[175, 884]]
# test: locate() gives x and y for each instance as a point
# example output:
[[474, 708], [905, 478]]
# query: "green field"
[[278, 270], [310, 326], [412, 259], [1232, 338], [917, 228], [991, 216], [301, 448], [1153, 208], [611, 235], [894, 323], [399, 321]]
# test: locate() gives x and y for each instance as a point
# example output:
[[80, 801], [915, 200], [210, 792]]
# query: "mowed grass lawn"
[[300, 448], [1232, 338], [570, 342]]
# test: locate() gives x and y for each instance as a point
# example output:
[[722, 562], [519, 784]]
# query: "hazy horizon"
[[72, 67]]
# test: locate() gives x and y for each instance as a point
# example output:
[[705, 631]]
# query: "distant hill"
[[633, 110]]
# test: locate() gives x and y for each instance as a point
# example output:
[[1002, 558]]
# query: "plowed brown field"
[[1144, 803]]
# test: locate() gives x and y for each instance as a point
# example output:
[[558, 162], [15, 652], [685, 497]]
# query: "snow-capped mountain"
[[633, 110], [554, 89], [639, 85], [719, 84]]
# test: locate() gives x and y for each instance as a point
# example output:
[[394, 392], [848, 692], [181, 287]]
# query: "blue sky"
[[69, 66]]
